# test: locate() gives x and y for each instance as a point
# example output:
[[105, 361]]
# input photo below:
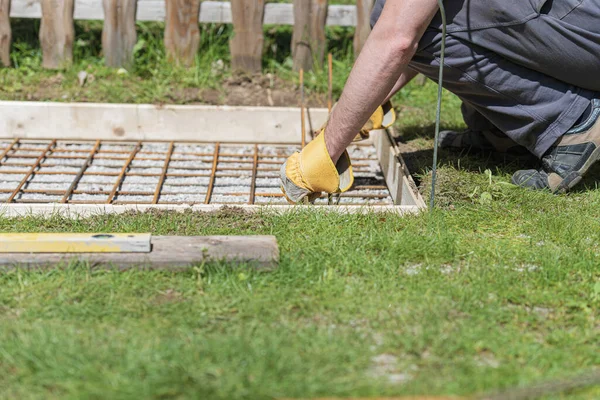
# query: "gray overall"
[[528, 67]]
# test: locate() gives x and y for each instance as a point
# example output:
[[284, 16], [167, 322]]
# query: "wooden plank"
[[5, 33], [398, 180], [169, 252], [210, 12], [182, 34], [308, 39], [57, 33], [119, 35], [75, 211], [74, 243], [41, 120], [247, 43], [363, 24]]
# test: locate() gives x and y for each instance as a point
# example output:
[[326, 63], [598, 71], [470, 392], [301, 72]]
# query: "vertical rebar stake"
[[213, 174], [254, 174], [330, 82], [330, 197], [302, 121]]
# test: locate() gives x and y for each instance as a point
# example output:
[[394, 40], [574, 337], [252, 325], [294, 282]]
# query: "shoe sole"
[[574, 177]]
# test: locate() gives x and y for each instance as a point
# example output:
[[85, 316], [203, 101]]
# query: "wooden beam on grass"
[[5, 33], [168, 252], [119, 35], [182, 34], [247, 43], [363, 24], [57, 33], [308, 39]]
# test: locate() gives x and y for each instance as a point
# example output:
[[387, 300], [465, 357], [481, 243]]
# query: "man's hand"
[[305, 175], [324, 165]]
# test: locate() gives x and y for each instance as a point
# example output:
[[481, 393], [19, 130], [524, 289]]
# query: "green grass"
[[460, 302], [152, 78], [498, 288]]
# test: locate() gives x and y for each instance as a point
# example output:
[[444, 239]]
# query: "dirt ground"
[[239, 90]]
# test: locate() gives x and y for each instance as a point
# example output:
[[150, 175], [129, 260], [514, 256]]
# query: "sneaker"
[[565, 164], [492, 140]]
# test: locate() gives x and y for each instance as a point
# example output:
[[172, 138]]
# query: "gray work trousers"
[[527, 67]]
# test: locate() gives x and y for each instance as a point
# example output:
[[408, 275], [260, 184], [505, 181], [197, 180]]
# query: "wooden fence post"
[[308, 39], [5, 33], [182, 34], [363, 24], [118, 35], [57, 33], [247, 43]]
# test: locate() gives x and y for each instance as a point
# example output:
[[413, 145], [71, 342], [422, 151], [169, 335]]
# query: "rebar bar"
[[101, 172]]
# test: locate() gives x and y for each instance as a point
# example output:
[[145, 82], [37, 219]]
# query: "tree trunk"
[[247, 43], [5, 33], [308, 40], [363, 24], [57, 33], [182, 34], [119, 35]]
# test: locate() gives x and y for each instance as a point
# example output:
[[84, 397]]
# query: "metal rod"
[[254, 173], [119, 181], [330, 82], [211, 184], [259, 166], [163, 176], [438, 113], [302, 119], [85, 166], [8, 149], [31, 171]]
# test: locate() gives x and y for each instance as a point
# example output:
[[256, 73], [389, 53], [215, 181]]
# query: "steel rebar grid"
[[85, 166], [161, 172], [163, 175]]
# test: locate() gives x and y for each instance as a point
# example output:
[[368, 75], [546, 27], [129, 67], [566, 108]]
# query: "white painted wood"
[[40, 120], [87, 210], [74, 243], [210, 12], [397, 178]]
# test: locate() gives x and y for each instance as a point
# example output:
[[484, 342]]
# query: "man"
[[527, 71]]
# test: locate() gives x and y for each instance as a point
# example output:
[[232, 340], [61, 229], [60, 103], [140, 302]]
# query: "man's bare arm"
[[380, 66], [406, 76]]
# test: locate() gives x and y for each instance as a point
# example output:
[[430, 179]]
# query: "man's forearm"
[[383, 60], [406, 76]]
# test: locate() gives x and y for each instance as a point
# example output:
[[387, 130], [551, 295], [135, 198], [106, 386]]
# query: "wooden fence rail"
[[182, 36]]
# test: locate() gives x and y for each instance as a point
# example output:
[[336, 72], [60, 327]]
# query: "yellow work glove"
[[382, 118], [305, 175]]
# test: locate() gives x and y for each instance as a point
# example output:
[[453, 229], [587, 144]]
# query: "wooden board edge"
[[76, 211], [148, 122], [168, 253], [401, 185]]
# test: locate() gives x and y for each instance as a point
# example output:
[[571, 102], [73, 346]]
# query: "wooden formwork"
[[252, 128]]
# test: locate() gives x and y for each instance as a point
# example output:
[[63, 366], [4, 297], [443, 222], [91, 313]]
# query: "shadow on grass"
[[420, 159]]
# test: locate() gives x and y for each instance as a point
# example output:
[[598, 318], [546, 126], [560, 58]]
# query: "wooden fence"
[[182, 33]]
